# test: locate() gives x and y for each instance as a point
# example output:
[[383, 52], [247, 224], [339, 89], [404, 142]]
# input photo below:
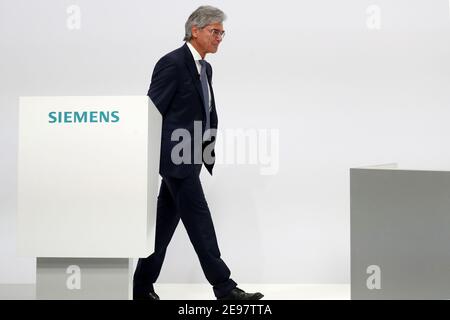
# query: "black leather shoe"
[[148, 296], [238, 294]]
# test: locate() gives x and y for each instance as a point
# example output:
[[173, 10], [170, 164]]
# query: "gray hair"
[[201, 17]]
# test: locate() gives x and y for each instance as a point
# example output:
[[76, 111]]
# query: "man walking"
[[181, 90]]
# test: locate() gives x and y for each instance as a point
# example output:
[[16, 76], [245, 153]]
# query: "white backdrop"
[[345, 83]]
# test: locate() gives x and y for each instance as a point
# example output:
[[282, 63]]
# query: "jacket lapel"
[[190, 63]]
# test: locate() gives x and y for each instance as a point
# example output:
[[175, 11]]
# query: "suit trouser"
[[184, 199]]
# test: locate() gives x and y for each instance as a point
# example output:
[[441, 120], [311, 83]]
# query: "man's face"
[[209, 37]]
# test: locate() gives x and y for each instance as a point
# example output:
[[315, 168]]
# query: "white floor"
[[270, 291], [204, 292]]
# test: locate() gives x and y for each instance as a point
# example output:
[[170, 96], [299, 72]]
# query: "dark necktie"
[[205, 90]]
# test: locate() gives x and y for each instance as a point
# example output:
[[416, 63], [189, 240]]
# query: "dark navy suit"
[[176, 91]]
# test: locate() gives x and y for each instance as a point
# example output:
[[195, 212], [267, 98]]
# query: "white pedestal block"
[[84, 279], [400, 233]]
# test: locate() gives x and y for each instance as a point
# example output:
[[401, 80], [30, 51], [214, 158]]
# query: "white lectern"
[[87, 190]]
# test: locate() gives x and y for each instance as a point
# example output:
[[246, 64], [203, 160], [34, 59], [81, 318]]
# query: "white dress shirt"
[[198, 57]]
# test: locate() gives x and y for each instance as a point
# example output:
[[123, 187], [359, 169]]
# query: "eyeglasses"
[[217, 33]]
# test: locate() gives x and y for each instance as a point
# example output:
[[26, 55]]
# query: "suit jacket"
[[176, 91]]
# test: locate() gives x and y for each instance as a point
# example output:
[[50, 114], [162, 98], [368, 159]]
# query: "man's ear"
[[194, 31]]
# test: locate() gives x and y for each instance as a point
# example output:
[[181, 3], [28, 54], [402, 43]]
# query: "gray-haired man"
[[181, 90]]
